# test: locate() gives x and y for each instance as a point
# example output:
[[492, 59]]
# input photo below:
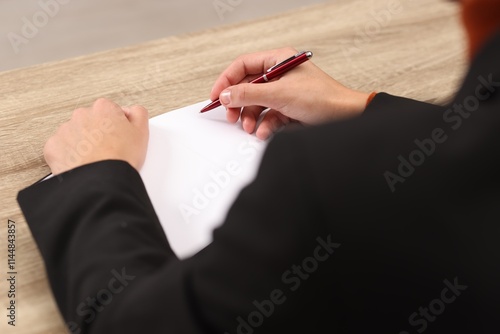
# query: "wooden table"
[[414, 49]]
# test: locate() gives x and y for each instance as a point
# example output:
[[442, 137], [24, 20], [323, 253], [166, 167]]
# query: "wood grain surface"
[[404, 47]]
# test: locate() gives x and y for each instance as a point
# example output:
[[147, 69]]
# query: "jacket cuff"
[[386, 102]]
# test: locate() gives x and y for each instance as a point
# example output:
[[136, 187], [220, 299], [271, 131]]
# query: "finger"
[[233, 114], [137, 115], [247, 65], [266, 94], [249, 117], [103, 104], [252, 64], [272, 122]]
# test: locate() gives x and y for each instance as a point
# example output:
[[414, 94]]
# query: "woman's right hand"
[[305, 94]]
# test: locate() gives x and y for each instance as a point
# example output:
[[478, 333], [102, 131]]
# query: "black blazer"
[[388, 223]]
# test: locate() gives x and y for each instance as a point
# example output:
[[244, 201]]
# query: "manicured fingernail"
[[225, 97]]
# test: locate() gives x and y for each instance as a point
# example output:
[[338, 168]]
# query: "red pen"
[[272, 73]]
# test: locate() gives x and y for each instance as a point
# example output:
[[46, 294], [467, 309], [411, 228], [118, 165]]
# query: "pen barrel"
[[259, 80], [279, 71]]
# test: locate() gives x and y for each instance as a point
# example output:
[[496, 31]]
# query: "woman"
[[393, 230]]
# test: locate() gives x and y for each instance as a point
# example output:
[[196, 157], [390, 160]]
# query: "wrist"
[[348, 104]]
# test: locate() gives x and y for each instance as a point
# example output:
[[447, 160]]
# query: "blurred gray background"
[[39, 31]]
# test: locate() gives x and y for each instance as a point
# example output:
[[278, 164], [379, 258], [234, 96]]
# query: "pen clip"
[[286, 61]]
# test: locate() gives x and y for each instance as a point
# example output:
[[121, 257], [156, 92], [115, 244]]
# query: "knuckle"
[[239, 94], [240, 59], [140, 109], [238, 62], [48, 147], [142, 112], [77, 113], [102, 101]]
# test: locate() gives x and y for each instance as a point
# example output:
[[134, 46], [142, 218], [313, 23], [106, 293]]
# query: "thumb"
[[137, 115], [245, 95]]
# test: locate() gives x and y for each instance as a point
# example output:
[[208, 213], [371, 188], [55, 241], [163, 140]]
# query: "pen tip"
[[212, 105], [207, 108]]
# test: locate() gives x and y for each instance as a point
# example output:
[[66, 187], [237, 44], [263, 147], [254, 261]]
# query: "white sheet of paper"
[[195, 167]]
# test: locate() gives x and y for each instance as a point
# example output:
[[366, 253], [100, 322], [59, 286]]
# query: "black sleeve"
[[103, 247], [387, 102], [111, 268]]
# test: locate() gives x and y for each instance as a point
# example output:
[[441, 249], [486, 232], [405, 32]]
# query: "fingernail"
[[225, 97], [263, 134], [245, 123]]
